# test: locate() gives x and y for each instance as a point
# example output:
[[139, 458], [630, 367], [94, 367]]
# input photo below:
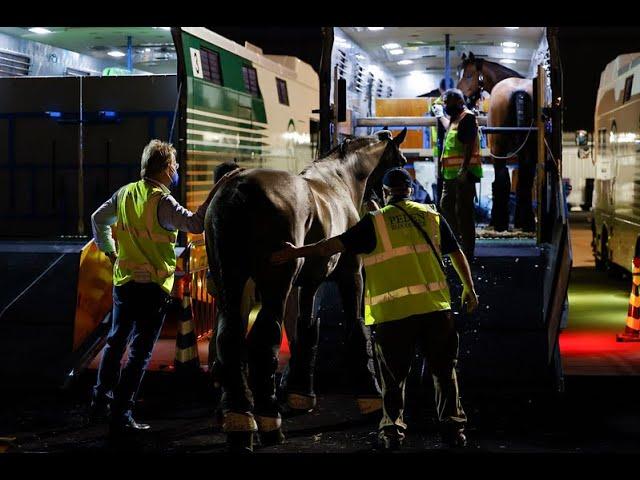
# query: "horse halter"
[[478, 94]]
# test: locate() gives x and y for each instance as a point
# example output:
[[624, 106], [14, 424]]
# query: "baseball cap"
[[397, 178]]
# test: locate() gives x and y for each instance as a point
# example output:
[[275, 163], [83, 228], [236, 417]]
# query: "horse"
[[252, 216], [511, 105]]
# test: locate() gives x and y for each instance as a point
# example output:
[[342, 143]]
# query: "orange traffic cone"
[[186, 359], [632, 328]]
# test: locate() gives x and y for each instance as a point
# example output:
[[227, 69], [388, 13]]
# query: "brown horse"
[[251, 217], [511, 106]]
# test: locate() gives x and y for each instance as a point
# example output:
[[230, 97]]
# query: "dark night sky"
[[585, 51]]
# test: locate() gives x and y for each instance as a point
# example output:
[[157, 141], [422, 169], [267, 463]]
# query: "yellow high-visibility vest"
[[403, 275], [145, 248], [453, 152]]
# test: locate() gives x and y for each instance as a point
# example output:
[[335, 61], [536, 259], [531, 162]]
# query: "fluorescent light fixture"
[[359, 56], [40, 30], [507, 60], [390, 46], [509, 50], [116, 53], [147, 49], [405, 62], [54, 114], [108, 113], [510, 44], [375, 29], [396, 51], [512, 28]]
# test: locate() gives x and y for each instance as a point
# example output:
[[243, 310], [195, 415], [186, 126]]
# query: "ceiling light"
[[405, 62], [507, 60], [359, 56], [509, 50], [390, 46], [40, 30], [375, 29], [396, 51], [512, 28], [510, 44], [147, 49], [116, 53]]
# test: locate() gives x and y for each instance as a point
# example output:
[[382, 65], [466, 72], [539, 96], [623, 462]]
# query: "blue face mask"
[[174, 180]]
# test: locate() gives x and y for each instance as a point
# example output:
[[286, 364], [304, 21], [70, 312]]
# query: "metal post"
[[80, 167], [540, 183], [325, 88], [334, 113], [447, 65], [129, 54]]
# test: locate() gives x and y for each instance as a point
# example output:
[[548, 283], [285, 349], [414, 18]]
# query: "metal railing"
[[203, 305]]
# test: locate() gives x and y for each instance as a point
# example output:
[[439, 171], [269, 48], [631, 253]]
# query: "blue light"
[[108, 114], [54, 114]]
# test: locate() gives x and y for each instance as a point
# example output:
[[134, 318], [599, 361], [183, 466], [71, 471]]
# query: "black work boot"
[[99, 411], [454, 437], [390, 438], [240, 442]]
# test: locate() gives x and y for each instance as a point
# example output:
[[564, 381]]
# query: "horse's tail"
[[522, 116], [228, 247]]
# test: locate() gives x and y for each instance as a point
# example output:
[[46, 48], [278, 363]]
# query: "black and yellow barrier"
[[186, 359], [632, 327]]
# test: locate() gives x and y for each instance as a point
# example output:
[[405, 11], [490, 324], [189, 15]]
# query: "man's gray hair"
[[156, 156]]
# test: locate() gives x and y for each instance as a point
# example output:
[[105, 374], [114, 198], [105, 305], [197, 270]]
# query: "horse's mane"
[[353, 144], [506, 71]]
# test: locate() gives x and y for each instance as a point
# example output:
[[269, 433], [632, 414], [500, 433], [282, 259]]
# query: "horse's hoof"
[[269, 439], [240, 442]]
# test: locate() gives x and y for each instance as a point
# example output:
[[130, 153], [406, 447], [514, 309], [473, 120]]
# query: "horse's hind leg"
[[236, 401], [264, 341], [298, 379], [359, 347]]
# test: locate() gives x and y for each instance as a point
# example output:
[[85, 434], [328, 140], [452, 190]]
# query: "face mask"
[[174, 179]]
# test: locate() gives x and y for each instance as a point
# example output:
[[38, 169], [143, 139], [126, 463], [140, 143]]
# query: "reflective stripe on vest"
[[403, 276]]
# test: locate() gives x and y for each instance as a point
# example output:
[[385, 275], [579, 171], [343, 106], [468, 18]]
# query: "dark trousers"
[[395, 344], [457, 207], [138, 315]]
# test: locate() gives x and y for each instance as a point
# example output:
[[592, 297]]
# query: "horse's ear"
[[400, 137], [384, 135], [472, 57], [464, 57]]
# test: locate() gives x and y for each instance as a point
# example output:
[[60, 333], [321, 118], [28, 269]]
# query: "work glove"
[[437, 110]]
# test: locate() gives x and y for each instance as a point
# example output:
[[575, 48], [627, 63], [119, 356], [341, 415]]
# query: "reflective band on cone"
[[632, 328]]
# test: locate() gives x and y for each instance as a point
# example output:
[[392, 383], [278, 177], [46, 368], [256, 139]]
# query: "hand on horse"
[[284, 255], [469, 297]]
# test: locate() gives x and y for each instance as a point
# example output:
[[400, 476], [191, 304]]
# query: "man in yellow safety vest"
[[147, 219], [407, 300], [461, 167]]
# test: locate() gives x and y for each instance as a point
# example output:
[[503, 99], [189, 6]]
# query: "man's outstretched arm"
[[323, 248], [464, 273]]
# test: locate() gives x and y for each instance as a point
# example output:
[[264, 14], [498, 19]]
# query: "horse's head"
[[471, 79], [391, 157]]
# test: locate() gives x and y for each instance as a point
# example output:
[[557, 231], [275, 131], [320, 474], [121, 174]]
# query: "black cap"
[[397, 178]]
